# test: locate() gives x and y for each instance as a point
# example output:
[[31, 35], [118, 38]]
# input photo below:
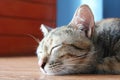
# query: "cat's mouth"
[[53, 71]]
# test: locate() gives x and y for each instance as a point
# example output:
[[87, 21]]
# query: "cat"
[[81, 47]]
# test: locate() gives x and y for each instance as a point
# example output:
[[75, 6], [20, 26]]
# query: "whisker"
[[77, 64], [35, 46], [64, 71], [57, 69]]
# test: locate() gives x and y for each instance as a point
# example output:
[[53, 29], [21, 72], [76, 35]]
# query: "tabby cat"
[[81, 47]]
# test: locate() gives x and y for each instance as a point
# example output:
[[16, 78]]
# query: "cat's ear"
[[84, 16], [45, 29]]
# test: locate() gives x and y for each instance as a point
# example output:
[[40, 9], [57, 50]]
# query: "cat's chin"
[[55, 74], [50, 73], [60, 74]]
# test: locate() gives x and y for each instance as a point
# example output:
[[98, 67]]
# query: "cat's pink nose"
[[42, 64]]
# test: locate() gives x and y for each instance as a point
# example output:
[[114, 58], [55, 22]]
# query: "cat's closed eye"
[[76, 47], [66, 56], [70, 49], [69, 55], [56, 46]]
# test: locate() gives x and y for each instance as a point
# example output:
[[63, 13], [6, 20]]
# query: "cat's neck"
[[97, 43], [94, 37]]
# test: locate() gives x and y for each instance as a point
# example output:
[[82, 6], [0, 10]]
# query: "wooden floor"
[[26, 68]]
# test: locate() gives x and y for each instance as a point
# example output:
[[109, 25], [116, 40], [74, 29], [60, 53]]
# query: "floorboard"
[[26, 68]]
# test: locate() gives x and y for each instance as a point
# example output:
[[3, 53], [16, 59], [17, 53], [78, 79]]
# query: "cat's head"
[[68, 49]]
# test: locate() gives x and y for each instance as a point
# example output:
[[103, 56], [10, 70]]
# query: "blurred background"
[[21, 18], [100, 8]]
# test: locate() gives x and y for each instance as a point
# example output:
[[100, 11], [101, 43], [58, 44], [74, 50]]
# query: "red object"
[[21, 17]]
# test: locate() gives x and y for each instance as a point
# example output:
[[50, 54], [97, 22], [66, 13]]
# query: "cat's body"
[[81, 46], [107, 39]]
